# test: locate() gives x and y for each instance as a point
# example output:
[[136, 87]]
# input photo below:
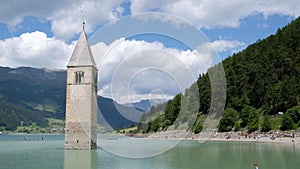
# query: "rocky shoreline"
[[270, 137]]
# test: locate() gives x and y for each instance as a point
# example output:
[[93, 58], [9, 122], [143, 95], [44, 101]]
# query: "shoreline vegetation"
[[55, 126]]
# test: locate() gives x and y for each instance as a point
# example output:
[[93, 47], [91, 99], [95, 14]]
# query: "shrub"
[[266, 125], [197, 127], [228, 120], [287, 122]]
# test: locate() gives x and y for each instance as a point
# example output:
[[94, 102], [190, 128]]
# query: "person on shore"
[[272, 137], [255, 166]]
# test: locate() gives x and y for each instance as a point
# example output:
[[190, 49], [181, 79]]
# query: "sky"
[[144, 49]]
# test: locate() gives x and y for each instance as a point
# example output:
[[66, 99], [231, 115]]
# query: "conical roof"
[[82, 55]]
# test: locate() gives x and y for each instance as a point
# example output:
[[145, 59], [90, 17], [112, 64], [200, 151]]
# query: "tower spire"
[[82, 54], [83, 21]]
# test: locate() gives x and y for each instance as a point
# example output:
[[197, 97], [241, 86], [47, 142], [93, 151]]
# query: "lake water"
[[117, 153]]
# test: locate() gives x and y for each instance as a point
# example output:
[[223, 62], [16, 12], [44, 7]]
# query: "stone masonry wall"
[[81, 110]]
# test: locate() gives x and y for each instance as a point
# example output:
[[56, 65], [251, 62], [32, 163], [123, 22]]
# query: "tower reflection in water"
[[80, 159]]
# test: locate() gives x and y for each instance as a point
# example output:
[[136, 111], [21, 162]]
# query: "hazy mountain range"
[[145, 105]]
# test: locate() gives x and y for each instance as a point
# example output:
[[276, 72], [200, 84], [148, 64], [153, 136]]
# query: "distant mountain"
[[32, 95], [145, 105], [114, 115]]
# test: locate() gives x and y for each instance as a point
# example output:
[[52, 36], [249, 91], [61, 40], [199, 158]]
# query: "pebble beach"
[[292, 137]]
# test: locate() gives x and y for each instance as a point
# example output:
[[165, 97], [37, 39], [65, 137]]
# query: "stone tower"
[[81, 103]]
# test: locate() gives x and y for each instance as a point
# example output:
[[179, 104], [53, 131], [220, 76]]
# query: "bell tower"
[[81, 98]]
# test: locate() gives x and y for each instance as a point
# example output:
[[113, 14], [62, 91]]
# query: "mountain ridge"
[[32, 95], [145, 104]]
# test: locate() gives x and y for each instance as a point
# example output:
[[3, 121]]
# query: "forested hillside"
[[29, 95], [262, 80]]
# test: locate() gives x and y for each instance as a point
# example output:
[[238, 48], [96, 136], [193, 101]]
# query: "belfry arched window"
[[79, 77]]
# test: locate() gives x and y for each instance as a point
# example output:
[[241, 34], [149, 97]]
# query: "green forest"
[[31, 97], [262, 90]]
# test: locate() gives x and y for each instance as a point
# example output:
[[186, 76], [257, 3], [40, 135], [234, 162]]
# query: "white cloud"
[[130, 71], [287, 7], [13, 11], [65, 16], [35, 49], [226, 45], [133, 70], [67, 21], [217, 13]]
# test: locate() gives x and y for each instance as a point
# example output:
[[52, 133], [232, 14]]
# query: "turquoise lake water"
[[118, 153]]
